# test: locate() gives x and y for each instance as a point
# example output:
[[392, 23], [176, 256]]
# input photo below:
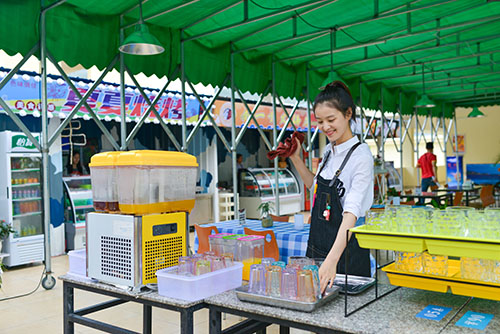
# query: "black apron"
[[326, 219]]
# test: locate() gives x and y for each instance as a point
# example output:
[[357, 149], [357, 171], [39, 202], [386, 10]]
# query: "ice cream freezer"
[[258, 185]]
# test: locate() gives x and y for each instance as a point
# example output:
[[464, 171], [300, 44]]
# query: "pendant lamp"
[[424, 101], [332, 75], [475, 111], [141, 41]]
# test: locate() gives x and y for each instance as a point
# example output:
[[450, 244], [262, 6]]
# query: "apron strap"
[[337, 173]]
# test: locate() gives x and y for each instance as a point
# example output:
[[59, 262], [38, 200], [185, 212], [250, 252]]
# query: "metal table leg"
[[147, 312], [187, 322], [69, 308], [215, 326]]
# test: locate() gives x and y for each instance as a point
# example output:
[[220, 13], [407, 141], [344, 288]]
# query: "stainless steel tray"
[[244, 295], [355, 284]]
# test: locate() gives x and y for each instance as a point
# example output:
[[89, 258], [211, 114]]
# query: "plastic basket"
[[192, 288], [78, 262]]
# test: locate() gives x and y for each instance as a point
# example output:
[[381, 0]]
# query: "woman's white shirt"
[[357, 175]]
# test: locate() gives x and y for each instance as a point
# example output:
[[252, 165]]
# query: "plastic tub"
[[78, 262], [156, 181], [192, 288], [103, 178]]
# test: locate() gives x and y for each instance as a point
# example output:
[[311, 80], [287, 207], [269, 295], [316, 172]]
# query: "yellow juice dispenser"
[[155, 192], [250, 251]]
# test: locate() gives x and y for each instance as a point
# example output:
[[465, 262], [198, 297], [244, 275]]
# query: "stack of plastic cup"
[[289, 283], [471, 268], [435, 264], [410, 262], [257, 282], [305, 286], [404, 220], [448, 223], [273, 281], [378, 220]]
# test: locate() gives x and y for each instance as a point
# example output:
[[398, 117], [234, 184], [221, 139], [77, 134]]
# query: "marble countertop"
[[152, 296], [394, 313]]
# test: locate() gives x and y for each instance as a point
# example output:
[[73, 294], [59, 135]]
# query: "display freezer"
[[77, 202], [21, 198], [258, 185]]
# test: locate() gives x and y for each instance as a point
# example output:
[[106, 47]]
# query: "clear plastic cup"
[[448, 223], [185, 265], [217, 263], [228, 259], [289, 284], [203, 267], [471, 268], [317, 286], [409, 262], [435, 264], [305, 286], [273, 281], [267, 261], [279, 264], [257, 281], [301, 261], [378, 220]]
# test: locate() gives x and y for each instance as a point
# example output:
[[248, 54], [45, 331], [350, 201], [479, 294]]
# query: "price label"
[[475, 320], [434, 312]]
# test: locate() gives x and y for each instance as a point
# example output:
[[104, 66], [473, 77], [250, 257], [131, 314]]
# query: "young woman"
[[343, 187]]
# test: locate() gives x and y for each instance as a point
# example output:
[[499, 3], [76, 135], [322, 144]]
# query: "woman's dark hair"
[[337, 95]]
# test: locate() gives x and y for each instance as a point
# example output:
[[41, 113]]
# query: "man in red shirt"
[[427, 163]]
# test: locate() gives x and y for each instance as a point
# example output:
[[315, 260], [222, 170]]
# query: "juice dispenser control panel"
[[164, 229]]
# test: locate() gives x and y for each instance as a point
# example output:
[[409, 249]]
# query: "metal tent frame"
[[436, 123]]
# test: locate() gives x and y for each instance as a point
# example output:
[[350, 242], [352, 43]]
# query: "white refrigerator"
[[21, 198]]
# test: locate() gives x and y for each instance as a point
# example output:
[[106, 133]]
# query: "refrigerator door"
[[26, 195]]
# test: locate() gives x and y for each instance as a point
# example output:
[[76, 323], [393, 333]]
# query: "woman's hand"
[[296, 155], [327, 273]]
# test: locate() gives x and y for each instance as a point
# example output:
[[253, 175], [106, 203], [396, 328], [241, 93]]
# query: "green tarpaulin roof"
[[381, 44]]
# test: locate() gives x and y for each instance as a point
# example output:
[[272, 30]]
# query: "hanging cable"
[[29, 293]]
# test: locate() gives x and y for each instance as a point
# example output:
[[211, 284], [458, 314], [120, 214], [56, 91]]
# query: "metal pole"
[[45, 149], [445, 137], [309, 139], [382, 142], [456, 147], [183, 91], [233, 138], [275, 142], [361, 113], [401, 138], [417, 126], [123, 112]]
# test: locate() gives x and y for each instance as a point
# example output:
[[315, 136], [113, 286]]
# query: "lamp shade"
[[332, 76], [424, 102], [141, 42], [475, 113]]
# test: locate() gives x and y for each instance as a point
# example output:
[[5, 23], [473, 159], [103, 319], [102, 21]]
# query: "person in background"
[[239, 161], [427, 163], [75, 166]]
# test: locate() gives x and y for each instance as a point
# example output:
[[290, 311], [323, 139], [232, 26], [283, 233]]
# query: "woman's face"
[[76, 158], [333, 123]]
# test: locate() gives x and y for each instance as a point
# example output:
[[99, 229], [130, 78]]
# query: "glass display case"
[[258, 185], [77, 202]]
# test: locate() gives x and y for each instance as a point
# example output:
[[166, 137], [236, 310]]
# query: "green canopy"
[[379, 47]]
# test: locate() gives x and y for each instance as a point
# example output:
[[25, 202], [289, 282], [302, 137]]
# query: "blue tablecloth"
[[291, 242]]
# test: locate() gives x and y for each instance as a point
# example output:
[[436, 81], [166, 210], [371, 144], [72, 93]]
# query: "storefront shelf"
[[25, 185], [452, 282], [27, 214], [26, 199], [25, 170]]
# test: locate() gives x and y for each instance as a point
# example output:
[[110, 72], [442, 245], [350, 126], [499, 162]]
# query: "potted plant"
[[265, 209], [5, 230]]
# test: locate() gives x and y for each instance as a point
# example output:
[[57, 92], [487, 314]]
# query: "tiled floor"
[[41, 312]]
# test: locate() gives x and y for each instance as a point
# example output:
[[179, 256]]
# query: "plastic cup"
[[185, 265], [217, 263], [471, 268], [279, 264], [203, 267], [305, 286], [273, 281], [298, 222], [435, 264], [448, 223], [317, 286], [257, 282], [301, 261], [228, 259], [410, 262], [378, 220], [289, 284], [267, 261]]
